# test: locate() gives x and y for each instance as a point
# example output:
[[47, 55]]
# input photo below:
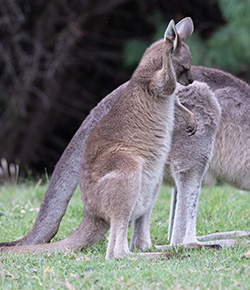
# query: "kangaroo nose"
[[190, 78]]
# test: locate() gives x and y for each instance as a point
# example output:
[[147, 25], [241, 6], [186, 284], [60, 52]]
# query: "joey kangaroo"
[[124, 157], [230, 160]]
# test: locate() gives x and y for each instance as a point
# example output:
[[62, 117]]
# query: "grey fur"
[[234, 119], [188, 160], [230, 155], [66, 174], [123, 158]]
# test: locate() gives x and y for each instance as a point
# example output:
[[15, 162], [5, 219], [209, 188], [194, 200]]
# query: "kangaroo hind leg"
[[141, 239], [123, 192], [91, 230], [86, 234]]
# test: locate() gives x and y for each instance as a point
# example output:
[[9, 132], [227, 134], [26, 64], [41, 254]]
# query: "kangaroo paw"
[[192, 125]]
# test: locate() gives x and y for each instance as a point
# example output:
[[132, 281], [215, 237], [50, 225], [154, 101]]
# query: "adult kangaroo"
[[125, 154]]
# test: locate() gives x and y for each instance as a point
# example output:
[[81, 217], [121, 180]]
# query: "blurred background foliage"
[[227, 47], [59, 58]]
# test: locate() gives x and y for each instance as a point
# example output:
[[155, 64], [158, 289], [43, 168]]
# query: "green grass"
[[220, 209]]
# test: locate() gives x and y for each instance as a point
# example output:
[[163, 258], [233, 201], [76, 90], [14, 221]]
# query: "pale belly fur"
[[151, 178]]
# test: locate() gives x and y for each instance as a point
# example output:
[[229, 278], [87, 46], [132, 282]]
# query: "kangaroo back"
[[231, 161], [231, 155]]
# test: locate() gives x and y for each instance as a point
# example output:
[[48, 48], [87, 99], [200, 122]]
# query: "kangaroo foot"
[[189, 246], [122, 253], [140, 244], [223, 235], [212, 244], [153, 255]]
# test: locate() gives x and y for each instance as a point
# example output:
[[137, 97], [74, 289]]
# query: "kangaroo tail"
[[65, 178], [89, 232]]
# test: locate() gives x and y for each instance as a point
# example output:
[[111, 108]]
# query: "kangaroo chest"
[[152, 173]]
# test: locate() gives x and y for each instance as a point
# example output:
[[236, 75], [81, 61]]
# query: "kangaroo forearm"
[[182, 110]]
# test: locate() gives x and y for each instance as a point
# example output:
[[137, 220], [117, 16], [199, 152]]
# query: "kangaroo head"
[[181, 54]]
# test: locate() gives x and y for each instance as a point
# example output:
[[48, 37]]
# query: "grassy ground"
[[220, 209]]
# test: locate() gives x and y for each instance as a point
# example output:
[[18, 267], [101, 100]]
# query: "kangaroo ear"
[[171, 33], [185, 28]]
